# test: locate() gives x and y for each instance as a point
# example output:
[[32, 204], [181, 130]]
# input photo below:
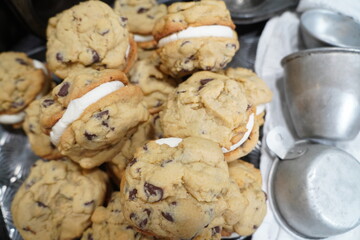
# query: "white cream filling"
[[143, 38], [249, 127], [19, 117], [12, 118], [77, 106], [260, 109], [199, 32], [171, 142]]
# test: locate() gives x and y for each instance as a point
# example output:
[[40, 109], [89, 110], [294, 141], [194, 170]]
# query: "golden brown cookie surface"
[[57, 200], [87, 35]]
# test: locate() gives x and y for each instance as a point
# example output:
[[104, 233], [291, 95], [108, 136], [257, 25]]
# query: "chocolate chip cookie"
[[195, 36], [175, 188], [39, 141], [57, 200], [249, 181], [155, 85], [109, 224], [215, 107], [21, 81], [89, 34], [141, 16]]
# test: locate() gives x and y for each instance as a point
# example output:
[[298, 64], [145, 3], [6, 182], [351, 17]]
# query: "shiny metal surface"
[[321, 28], [322, 91], [318, 194]]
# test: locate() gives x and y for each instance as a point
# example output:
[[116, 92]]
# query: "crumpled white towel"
[[280, 38]]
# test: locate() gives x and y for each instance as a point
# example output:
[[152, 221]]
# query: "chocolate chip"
[[21, 61], [132, 194], [28, 229], [183, 43], [59, 57], [40, 204], [102, 33], [153, 192], [157, 117], [17, 104], [64, 90], [148, 211], [105, 124], [230, 45], [89, 136], [142, 10], [143, 223], [47, 102], [133, 216], [116, 211], [90, 237], [145, 147], [31, 128], [132, 162], [89, 203], [124, 19], [167, 216], [255, 227], [95, 56], [99, 115], [184, 91], [215, 230], [163, 163], [129, 227], [205, 81], [173, 203]]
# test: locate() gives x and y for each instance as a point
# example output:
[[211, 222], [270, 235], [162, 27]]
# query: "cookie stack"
[[146, 102]]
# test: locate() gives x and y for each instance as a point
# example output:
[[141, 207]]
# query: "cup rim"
[[321, 50]]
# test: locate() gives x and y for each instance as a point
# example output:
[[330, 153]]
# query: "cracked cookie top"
[[57, 200], [175, 191], [20, 82], [89, 34]]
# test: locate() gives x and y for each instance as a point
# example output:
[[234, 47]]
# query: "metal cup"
[[314, 191], [321, 28], [322, 91]]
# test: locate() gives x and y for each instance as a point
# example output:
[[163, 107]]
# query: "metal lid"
[[316, 195]]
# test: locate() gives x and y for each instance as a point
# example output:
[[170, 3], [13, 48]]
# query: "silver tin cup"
[[322, 28], [322, 91], [315, 191]]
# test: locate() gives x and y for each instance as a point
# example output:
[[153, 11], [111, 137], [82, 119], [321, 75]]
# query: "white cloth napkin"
[[280, 38]]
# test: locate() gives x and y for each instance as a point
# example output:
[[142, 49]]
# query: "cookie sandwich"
[[257, 92], [89, 34], [195, 36], [141, 16], [212, 106], [174, 188], [90, 112], [39, 141], [22, 80], [57, 200]]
